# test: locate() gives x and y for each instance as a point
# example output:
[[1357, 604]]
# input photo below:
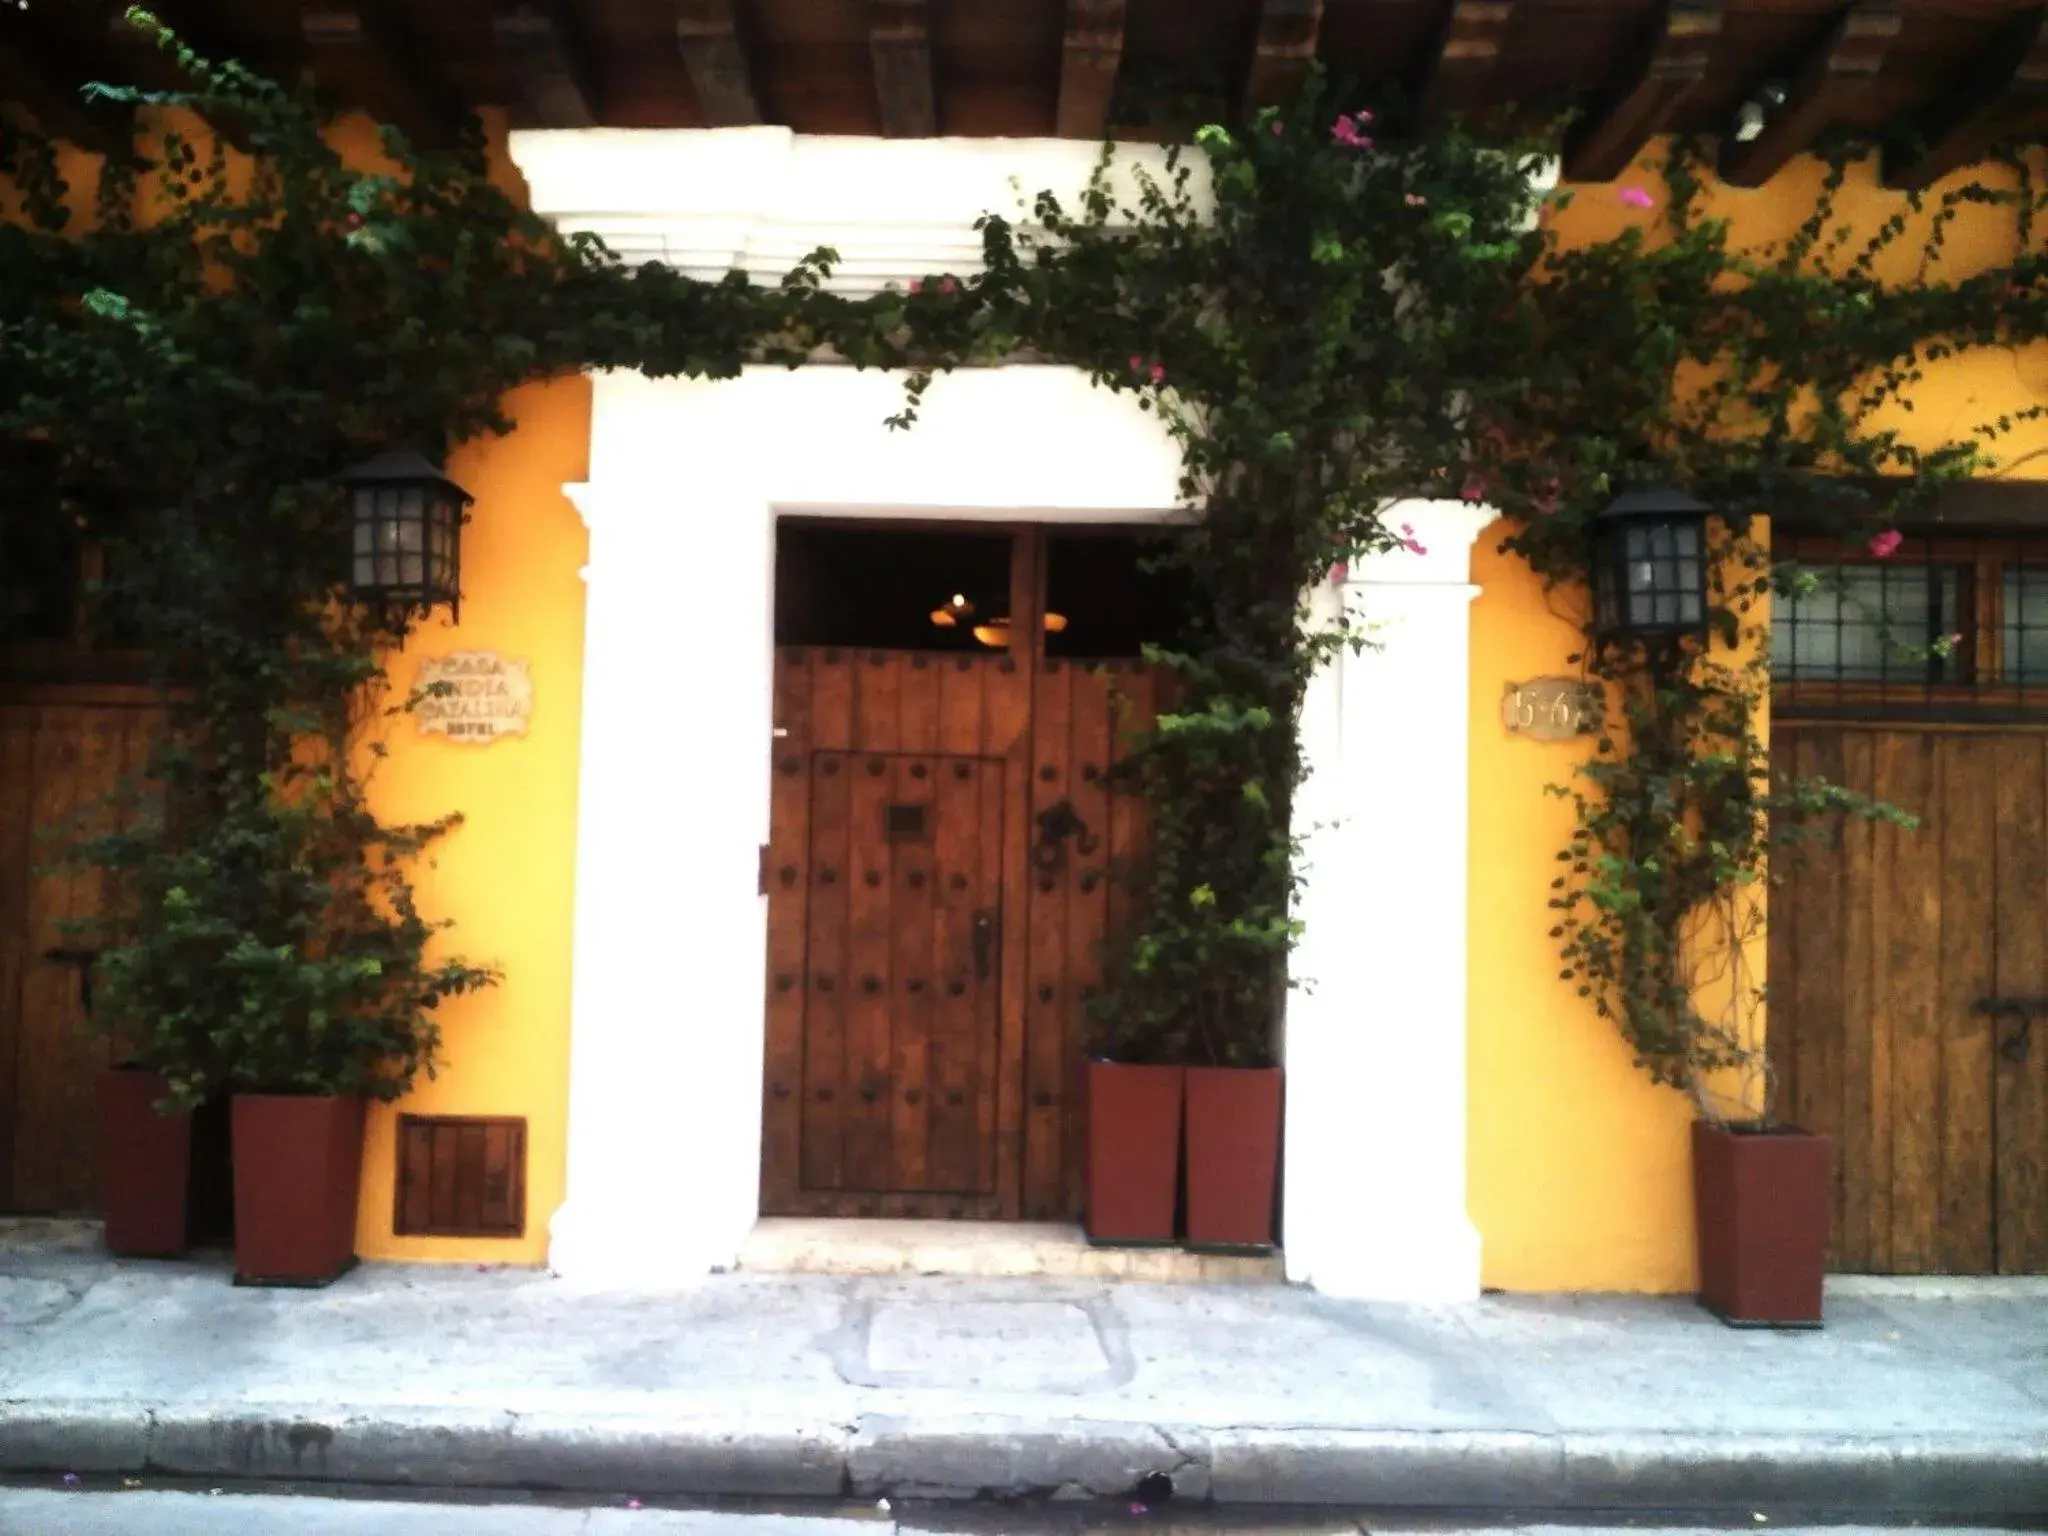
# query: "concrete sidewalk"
[[1909, 1403]]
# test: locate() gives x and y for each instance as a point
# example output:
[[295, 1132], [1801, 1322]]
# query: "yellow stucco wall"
[[505, 875], [1580, 1171]]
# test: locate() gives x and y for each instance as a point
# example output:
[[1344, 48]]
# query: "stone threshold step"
[[803, 1245]]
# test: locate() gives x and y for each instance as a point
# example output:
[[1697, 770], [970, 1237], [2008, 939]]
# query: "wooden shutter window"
[[461, 1176]]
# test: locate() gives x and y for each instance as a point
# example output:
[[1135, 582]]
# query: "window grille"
[[1947, 626]]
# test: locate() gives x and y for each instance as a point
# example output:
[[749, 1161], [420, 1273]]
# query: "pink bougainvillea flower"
[[1338, 572], [1885, 545], [1345, 131], [1409, 542], [634, 1504], [1363, 118], [917, 285], [947, 285], [1543, 496], [1416, 200], [1278, 129], [1158, 373], [1137, 363], [1636, 197], [1474, 488]]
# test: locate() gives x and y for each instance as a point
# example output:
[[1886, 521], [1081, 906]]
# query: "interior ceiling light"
[[957, 608], [994, 632]]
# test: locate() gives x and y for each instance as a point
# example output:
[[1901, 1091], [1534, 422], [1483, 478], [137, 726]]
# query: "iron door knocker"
[[1056, 824]]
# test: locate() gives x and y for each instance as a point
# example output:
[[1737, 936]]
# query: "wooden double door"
[[943, 841], [1909, 996]]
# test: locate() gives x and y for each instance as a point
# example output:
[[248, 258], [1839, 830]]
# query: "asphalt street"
[[119, 1511]]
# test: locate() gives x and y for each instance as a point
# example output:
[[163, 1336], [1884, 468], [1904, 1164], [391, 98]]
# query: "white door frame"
[[686, 478]]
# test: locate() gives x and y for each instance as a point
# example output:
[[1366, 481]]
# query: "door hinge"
[[761, 875]]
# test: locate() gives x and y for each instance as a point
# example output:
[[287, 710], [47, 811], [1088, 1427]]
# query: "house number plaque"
[[1547, 708], [473, 696]]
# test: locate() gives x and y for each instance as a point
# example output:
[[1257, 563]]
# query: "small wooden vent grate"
[[461, 1176]]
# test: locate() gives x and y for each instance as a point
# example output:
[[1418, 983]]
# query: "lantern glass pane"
[[1686, 539], [1690, 613], [365, 571], [365, 533]]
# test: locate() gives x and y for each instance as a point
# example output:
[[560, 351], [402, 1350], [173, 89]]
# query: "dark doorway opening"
[[1110, 592], [1101, 592], [859, 585]]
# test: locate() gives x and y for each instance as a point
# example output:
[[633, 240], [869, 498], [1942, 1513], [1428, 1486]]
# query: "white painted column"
[[1375, 1200], [665, 1051]]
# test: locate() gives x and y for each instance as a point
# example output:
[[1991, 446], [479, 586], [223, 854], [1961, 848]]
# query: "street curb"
[[881, 1456]]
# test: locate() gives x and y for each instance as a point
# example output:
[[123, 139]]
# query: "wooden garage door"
[[938, 877], [63, 754], [1909, 996]]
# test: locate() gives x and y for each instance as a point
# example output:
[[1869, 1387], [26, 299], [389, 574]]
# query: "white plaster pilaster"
[[1375, 1200], [667, 1021]]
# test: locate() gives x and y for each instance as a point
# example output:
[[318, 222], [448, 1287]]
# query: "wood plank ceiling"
[[1941, 83]]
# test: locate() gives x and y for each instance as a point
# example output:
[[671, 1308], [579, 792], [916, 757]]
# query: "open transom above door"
[[940, 881]]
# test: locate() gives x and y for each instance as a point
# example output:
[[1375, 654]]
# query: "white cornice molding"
[[708, 201], [713, 200]]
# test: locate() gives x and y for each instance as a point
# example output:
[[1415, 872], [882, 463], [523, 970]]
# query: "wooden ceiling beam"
[[2003, 95], [543, 47], [1091, 50], [42, 76], [708, 36], [359, 52], [1466, 55], [1672, 59], [899, 38], [1834, 74], [1282, 52]]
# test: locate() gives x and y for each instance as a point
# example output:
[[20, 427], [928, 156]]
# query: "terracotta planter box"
[[1133, 1152], [1233, 1167], [298, 1167], [1761, 1203], [145, 1166]]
